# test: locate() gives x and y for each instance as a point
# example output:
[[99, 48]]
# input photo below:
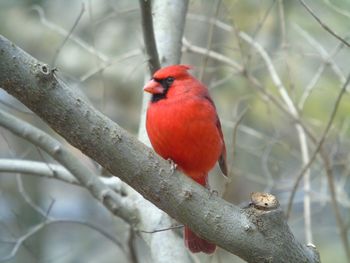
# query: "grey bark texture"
[[254, 234]]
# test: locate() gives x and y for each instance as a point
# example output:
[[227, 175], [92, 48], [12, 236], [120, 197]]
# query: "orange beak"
[[153, 87]]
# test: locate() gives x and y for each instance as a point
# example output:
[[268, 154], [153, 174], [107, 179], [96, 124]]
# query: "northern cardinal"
[[183, 126]]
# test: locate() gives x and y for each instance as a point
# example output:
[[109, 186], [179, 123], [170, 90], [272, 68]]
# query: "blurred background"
[[264, 53]]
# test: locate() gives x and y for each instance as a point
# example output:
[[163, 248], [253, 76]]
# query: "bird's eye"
[[169, 80]]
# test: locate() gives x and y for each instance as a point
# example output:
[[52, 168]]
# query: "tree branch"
[[148, 35], [323, 25], [87, 178], [169, 16], [52, 171], [252, 233], [17, 243]]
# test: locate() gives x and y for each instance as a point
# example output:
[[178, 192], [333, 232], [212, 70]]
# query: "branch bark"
[[254, 234], [169, 24]]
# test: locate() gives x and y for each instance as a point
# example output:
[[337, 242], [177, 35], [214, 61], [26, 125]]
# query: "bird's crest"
[[175, 71]]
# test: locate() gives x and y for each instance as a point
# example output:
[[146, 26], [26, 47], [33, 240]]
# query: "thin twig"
[[257, 29], [58, 50], [19, 242], [319, 145], [115, 13], [101, 79], [327, 28], [27, 198], [332, 189], [235, 128], [284, 43], [161, 230], [209, 41], [148, 35], [327, 61], [53, 171], [110, 62], [264, 164], [237, 123], [64, 33], [187, 46]]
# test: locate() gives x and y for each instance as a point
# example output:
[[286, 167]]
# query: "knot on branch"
[[263, 212], [264, 201], [45, 69], [43, 72]]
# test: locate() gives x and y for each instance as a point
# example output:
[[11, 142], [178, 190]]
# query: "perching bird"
[[183, 126]]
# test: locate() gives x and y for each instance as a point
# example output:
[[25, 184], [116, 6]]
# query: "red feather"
[[183, 126]]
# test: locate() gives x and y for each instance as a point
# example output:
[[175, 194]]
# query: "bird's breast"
[[186, 132]]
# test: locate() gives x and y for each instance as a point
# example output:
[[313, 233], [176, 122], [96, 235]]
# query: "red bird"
[[183, 126]]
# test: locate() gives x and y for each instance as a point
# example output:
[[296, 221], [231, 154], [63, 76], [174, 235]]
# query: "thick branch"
[[169, 16], [253, 234]]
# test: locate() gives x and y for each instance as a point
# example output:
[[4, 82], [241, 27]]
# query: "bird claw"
[[173, 165], [213, 192]]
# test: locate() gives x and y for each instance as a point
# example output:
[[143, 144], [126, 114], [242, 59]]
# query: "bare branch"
[[58, 50], [148, 35], [64, 33], [108, 63], [212, 54], [328, 60], [319, 145], [341, 224], [323, 25], [301, 133], [27, 198], [161, 230], [104, 194], [52, 171], [209, 40], [34, 230]]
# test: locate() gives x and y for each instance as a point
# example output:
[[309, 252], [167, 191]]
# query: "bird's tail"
[[197, 244]]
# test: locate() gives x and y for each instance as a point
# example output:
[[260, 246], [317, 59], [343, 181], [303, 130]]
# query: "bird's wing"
[[222, 159]]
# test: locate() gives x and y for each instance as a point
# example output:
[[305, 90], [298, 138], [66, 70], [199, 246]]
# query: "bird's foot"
[[173, 165], [213, 193]]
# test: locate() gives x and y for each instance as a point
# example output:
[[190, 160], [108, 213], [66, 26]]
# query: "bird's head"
[[163, 79]]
